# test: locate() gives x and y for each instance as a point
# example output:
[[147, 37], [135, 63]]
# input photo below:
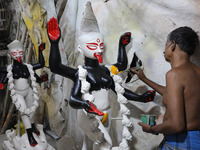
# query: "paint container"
[[148, 119]]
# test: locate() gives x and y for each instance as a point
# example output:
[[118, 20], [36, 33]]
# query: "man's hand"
[[145, 127], [42, 46], [53, 30], [138, 71], [1, 86], [125, 38]]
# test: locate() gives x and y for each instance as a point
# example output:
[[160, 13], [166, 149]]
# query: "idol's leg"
[[29, 102], [94, 129], [26, 120]]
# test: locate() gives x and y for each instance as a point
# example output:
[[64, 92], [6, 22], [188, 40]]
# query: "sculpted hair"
[[186, 38]]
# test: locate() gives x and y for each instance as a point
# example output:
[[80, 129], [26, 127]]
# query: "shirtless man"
[[181, 96]]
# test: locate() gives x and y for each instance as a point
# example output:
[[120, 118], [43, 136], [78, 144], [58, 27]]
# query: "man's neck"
[[180, 59]]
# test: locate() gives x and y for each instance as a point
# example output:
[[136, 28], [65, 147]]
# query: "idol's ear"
[[79, 48], [9, 53]]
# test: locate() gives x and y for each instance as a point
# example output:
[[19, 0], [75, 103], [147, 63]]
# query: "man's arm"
[[159, 88], [175, 122]]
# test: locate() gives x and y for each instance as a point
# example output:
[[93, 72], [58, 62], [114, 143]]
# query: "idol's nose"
[[99, 50]]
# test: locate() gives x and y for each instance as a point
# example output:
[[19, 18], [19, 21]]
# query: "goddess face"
[[16, 50], [17, 54], [92, 45]]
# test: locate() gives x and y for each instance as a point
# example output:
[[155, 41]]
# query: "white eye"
[[102, 46], [91, 47], [14, 53], [21, 52]]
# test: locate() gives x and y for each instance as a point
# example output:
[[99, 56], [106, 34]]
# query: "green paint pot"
[[148, 119]]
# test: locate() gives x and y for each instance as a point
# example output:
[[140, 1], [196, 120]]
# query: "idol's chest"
[[99, 78], [20, 72]]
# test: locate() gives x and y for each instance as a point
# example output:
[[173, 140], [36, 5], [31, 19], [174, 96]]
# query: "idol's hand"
[[42, 46], [125, 38], [148, 96], [93, 109], [53, 30], [44, 77], [1, 86]]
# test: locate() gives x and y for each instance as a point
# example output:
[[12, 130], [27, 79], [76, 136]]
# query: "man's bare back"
[[189, 80]]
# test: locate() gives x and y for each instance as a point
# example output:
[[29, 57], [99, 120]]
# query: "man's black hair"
[[186, 38]]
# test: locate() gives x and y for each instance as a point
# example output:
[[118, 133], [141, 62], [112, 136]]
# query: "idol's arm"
[[41, 79], [122, 60], [145, 97], [3, 70], [77, 102], [4, 79], [55, 63], [41, 58]]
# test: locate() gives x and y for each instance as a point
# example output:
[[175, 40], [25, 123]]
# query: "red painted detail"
[[102, 46], [95, 110], [1, 86], [99, 57], [42, 46], [34, 144], [92, 46], [21, 52], [151, 96], [124, 40], [44, 78], [14, 53], [151, 91], [53, 29], [18, 59]]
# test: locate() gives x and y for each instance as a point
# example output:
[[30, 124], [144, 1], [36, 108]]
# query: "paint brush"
[[129, 70]]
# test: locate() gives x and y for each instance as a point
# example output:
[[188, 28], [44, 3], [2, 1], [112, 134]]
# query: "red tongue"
[[19, 59], [99, 58]]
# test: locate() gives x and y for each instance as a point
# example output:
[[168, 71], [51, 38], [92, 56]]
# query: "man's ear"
[[173, 45]]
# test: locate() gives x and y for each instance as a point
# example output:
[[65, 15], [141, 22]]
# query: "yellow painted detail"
[[105, 117], [22, 128], [115, 71], [34, 17]]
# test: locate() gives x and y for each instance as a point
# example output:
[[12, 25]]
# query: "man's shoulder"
[[173, 72]]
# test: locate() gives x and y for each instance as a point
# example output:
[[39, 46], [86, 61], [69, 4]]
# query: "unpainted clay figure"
[[25, 97]]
